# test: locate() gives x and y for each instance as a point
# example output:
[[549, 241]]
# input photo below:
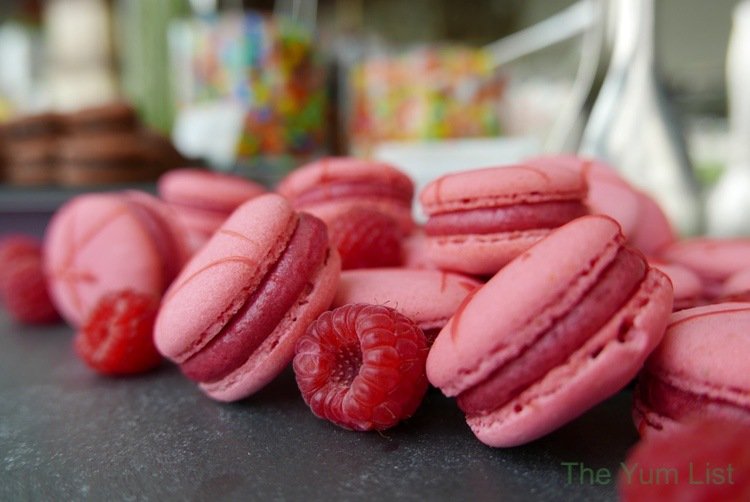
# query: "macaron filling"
[[401, 192], [266, 306], [678, 404], [552, 347], [505, 218]]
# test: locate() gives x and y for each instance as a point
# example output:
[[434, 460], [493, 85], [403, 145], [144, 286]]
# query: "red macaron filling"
[[677, 404], [491, 220], [264, 309], [401, 192], [549, 349]]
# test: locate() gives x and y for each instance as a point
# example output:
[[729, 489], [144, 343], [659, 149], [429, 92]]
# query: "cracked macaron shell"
[[97, 243]]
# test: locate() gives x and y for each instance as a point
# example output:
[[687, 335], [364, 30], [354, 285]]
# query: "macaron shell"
[[428, 297], [416, 251], [96, 244], [329, 211], [652, 231], [207, 189], [501, 186], [481, 254], [520, 301], [277, 351], [713, 259], [334, 169], [690, 357], [688, 287], [216, 281], [600, 368], [737, 284], [608, 192], [174, 230]]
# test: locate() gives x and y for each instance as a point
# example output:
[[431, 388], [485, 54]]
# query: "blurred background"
[[97, 94]]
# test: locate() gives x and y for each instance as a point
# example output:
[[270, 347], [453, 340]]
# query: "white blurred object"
[[210, 131], [17, 68], [728, 204], [631, 126], [79, 51]]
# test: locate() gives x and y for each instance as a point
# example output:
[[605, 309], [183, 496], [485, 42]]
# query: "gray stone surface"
[[68, 434]]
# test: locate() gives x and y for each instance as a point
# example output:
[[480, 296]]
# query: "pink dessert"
[[714, 260], [608, 193], [579, 313], [204, 199], [480, 220], [427, 297], [737, 287], [99, 243], [232, 317], [698, 371], [331, 186], [415, 251], [642, 220], [688, 288], [652, 232]]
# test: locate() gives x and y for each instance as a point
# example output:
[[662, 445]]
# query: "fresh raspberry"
[[706, 461], [13, 247], [366, 238], [117, 338], [362, 367], [24, 290]]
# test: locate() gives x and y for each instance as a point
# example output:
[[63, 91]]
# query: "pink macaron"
[[563, 326], [608, 193], [98, 243], [688, 288], [480, 220], [714, 260], [699, 370], [204, 199], [642, 220], [737, 287], [331, 186], [427, 297], [232, 317], [653, 231], [415, 251]]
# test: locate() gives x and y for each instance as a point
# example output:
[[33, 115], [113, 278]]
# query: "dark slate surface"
[[67, 434]]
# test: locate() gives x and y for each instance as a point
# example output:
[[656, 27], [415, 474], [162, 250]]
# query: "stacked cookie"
[[94, 146]]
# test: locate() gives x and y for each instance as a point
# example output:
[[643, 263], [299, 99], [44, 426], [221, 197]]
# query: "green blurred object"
[[141, 30]]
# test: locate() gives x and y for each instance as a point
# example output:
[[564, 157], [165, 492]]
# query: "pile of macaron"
[[532, 293]]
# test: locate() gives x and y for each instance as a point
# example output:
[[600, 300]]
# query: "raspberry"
[[117, 338], [24, 290], [708, 460], [366, 238], [362, 367], [14, 247]]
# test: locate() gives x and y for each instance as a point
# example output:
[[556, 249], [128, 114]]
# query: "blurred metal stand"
[[631, 125]]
